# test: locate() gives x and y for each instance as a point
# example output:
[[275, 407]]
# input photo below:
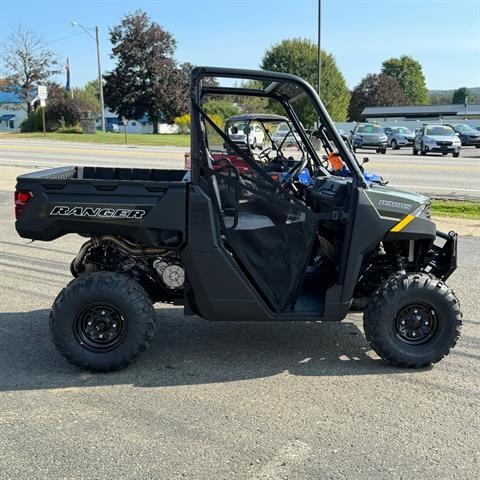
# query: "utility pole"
[[100, 80], [319, 60]]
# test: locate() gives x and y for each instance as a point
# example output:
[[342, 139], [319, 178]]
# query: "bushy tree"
[[248, 104], [375, 90], [299, 56], [89, 95], [221, 107], [409, 74], [146, 78], [28, 62], [460, 95]]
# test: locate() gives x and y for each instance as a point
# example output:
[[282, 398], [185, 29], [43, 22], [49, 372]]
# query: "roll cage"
[[282, 87]]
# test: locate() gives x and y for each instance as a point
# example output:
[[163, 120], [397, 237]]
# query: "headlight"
[[357, 137], [428, 140], [383, 138], [423, 211]]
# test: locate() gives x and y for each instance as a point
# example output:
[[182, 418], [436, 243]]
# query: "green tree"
[[146, 78], [221, 107], [299, 56], [249, 104], [89, 95], [409, 74], [375, 90], [460, 95]]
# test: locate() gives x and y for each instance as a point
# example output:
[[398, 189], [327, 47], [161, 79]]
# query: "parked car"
[[239, 129], [468, 136], [398, 137], [368, 136], [284, 133], [437, 138]]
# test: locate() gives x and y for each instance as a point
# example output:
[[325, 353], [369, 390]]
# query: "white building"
[[134, 126], [12, 111]]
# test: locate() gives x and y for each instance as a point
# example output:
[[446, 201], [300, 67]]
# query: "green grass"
[[454, 208], [111, 138]]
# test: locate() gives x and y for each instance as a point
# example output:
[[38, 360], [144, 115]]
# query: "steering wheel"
[[263, 155], [293, 174]]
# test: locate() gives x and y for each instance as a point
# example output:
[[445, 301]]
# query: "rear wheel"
[[413, 320], [102, 321]]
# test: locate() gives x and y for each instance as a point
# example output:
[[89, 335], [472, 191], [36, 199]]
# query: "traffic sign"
[[42, 92]]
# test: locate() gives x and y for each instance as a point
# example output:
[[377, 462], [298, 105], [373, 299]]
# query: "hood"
[[394, 203]]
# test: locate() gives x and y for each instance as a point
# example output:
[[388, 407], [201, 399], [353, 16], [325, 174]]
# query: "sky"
[[443, 35]]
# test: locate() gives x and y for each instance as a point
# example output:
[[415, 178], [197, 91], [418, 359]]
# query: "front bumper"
[[404, 142], [361, 144], [442, 148], [470, 142], [441, 260]]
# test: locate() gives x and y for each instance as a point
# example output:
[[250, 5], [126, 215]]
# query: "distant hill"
[[445, 96]]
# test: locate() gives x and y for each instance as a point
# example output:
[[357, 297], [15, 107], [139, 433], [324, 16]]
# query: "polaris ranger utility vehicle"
[[237, 244]]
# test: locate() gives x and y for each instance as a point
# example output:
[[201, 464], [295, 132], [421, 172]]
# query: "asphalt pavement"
[[225, 400], [434, 175]]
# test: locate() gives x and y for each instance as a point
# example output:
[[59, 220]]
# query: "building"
[[13, 111], [134, 126], [425, 113]]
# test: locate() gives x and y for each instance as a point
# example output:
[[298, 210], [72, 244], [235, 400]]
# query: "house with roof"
[[13, 110]]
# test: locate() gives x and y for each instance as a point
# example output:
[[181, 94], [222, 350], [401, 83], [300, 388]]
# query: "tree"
[[248, 104], [146, 78], [299, 56], [460, 95], [27, 62], [375, 90], [221, 107], [89, 95], [408, 73]]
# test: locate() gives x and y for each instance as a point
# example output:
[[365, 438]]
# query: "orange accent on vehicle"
[[335, 161]]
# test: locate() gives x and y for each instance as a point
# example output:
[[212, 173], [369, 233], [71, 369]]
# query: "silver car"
[[438, 139], [398, 137]]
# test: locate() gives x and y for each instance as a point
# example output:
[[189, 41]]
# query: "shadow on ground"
[[188, 350]]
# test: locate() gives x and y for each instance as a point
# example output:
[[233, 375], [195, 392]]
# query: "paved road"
[[432, 175], [302, 401]]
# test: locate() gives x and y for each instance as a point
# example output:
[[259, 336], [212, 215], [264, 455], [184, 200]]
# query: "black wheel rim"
[[416, 324], [99, 327]]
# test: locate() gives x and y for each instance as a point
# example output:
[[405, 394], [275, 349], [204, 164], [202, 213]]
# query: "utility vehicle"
[[238, 244]]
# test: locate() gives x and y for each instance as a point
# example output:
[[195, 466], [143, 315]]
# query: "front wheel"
[[102, 321], [415, 151], [413, 320], [394, 145], [456, 154]]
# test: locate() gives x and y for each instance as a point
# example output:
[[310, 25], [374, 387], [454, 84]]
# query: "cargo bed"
[[147, 205]]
